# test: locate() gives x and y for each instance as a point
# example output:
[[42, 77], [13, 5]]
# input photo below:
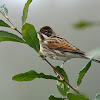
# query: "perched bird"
[[56, 47]]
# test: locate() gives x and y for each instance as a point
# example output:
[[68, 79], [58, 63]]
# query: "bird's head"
[[45, 33]]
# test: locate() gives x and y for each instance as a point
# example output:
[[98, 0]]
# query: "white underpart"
[[39, 37], [45, 36], [45, 42], [57, 51], [69, 56]]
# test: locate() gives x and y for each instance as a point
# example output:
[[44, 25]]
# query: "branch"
[[13, 27]]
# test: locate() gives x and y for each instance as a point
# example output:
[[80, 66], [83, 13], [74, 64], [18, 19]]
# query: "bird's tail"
[[94, 54], [95, 60]]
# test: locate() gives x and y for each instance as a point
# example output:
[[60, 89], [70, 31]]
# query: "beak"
[[39, 32], [40, 35]]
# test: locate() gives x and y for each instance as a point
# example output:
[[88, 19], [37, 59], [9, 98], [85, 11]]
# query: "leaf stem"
[[13, 27]]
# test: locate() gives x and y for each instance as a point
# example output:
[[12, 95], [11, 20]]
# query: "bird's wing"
[[63, 46]]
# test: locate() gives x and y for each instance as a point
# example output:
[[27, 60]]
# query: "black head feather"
[[47, 31]]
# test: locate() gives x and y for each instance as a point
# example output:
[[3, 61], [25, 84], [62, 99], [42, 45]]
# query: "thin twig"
[[13, 27], [18, 31]]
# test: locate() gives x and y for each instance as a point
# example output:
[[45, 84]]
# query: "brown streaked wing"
[[63, 45]]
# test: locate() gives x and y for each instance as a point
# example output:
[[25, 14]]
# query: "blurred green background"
[[16, 58]]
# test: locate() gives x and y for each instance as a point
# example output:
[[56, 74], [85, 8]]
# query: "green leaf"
[[25, 11], [62, 86], [56, 98], [62, 72], [31, 75], [83, 24], [2, 23], [97, 96], [83, 72], [86, 68], [4, 10], [30, 36], [6, 36], [71, 96]]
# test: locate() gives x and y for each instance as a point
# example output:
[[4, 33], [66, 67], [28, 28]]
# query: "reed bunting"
[[56, 47]]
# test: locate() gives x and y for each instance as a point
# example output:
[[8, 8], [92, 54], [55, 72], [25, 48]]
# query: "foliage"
[[6, 36], [62, 86], [85, 24], [56, 98], [25, 11], [4, 10], [72, 96], [83, 72], [97, 96], [29, 37], [3, 24], [31, 75]]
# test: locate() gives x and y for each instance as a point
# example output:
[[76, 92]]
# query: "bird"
[[58, 48]]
